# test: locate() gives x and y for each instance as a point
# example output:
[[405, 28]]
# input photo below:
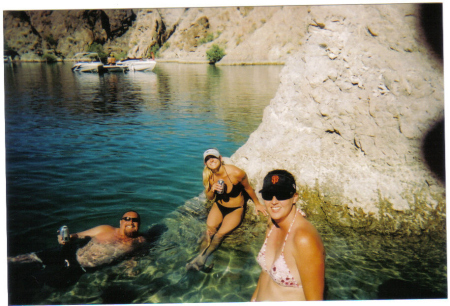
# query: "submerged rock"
[[350, 117]]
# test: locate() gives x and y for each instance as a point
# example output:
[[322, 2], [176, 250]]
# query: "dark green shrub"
[[215, 54], [165, 46], [122, 55], [49, 58], [52, 42], [97, 48], [155, 49]]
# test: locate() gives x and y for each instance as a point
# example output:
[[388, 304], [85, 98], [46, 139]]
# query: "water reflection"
[[232, 95]]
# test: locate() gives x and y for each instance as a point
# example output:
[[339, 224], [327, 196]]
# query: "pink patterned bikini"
[[279, 272]]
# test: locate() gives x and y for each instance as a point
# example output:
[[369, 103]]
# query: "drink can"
[[64, 233], [222, 183]]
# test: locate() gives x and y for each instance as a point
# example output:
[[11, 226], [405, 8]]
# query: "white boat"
[[87, 62], [116, 68], [139, 64]]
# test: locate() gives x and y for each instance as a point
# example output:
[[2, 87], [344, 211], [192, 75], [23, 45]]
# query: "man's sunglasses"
[[281, 195], [131, 219]]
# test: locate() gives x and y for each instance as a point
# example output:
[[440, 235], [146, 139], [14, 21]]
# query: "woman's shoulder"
[[306, 235], [235, 171]]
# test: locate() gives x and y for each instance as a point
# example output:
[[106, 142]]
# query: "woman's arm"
[[242, 176], [255, 294], [210, 195], [310, 259], [263, 276]]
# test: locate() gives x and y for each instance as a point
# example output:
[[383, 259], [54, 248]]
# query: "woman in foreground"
[[292, 257], [228, 209]]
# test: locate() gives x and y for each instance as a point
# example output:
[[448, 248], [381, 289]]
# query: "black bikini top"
[[234, 193]]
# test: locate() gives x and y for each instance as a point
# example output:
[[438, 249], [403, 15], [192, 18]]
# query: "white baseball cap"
[[211, 152]]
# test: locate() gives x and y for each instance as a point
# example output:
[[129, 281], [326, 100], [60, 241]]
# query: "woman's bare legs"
[[213, 237]]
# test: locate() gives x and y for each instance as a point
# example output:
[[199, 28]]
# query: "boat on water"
[[138, 64], [116, 68], [87, 62], [113, 66]]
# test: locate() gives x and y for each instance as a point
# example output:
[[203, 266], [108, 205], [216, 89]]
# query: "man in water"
[[107, 244]]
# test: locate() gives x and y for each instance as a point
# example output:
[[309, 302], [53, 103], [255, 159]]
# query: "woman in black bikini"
[[228, 208]]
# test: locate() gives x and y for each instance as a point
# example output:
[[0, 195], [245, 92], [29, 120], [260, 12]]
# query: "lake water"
[[83, 148]]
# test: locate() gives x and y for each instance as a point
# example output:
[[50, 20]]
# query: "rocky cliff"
[[33, 33], [247, 34], [358, 116], [352, 119]]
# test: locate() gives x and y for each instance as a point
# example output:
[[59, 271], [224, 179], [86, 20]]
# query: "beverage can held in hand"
[[64, 233], [222, 183]]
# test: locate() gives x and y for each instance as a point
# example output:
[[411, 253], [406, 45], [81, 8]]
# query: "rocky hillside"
[[247, 34], [34, 33], [358, 118]]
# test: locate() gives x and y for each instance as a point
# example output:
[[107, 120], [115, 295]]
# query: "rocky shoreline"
[[360, 95], [351, 120]]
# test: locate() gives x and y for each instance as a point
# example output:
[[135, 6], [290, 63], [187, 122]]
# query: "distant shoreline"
[[165, 61]]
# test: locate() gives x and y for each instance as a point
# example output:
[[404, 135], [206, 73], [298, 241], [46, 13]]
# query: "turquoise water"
[[86, 147], [83, 148]]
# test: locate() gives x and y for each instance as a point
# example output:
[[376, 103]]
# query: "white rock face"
[[352, 109]]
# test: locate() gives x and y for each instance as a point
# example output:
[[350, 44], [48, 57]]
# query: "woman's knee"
[[211, 230], [218, 237]]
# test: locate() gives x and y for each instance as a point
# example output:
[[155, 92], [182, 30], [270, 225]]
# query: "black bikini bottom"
[[226, 210]]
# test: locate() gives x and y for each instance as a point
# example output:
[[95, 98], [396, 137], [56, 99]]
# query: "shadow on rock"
[[154, 233], [431, 22], [433, 148]]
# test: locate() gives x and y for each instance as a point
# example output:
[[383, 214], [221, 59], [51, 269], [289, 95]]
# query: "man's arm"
[[88, 233]]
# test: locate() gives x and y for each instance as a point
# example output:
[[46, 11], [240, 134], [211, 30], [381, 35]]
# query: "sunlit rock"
[[349, 119]]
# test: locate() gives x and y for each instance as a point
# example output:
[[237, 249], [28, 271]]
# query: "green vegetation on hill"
[[215, 54]]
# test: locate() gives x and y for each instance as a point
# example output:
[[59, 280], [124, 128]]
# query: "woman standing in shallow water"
[[292, 257], [228, 209]]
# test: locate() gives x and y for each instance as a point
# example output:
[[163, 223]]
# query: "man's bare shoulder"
[[105, 228], [100, 229]]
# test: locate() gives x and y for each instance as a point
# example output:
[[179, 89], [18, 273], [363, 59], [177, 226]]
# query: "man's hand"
[[60, 240]]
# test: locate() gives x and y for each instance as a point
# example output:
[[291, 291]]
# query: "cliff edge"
[[351, 119]]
